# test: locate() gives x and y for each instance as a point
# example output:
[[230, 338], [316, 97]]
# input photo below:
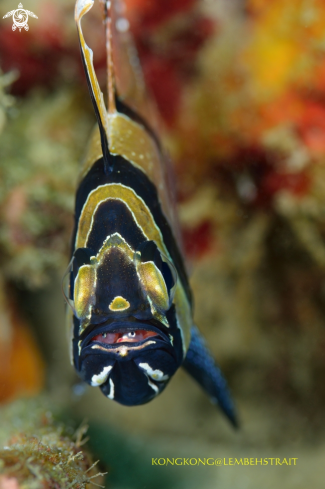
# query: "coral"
[[40, 149], [38, 453], [169, 37], [21, 365]]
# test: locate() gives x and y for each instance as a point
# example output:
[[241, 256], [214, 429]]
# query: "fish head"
[[126, 339]]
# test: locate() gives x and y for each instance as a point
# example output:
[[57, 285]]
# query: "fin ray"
[[111, 88], [81, 9]]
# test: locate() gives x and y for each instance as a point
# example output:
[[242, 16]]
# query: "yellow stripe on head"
[[142, 215], [146, 223]]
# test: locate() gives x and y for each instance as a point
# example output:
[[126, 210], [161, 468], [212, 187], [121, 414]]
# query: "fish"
[[131, 314]]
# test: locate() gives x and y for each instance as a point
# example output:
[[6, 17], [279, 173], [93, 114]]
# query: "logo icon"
[[20, 18]]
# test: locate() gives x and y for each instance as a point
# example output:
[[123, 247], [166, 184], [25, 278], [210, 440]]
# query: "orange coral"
[[21, 366]]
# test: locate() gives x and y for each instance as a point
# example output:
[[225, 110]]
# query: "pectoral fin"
[[202, 367]]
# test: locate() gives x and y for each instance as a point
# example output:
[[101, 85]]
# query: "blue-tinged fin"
[[200, 364]]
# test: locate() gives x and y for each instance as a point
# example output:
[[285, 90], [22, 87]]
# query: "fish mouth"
[[124, 336], [133, 334], [120, 356]]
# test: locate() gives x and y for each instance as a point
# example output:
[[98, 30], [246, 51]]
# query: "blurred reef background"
[[240, 87]]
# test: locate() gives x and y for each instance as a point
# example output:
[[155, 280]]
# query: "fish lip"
[[129, 344], [117, 348], [123, 326]]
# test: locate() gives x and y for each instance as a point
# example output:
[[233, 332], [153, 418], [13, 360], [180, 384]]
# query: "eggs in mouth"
[[133, 336]]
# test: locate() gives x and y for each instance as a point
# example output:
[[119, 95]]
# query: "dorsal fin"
[[82, 7], [130, 84], [124, 75]]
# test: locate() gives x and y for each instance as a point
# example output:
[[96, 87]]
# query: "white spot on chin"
[[101, 378], [112, 390], [123, 351], [154, 374]]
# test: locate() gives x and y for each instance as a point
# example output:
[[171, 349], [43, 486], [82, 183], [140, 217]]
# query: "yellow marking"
[[119, 304], [84, 323], [183, 316], [94, 152], [134, 203], [131, 140], [82, 7], [157, 315], [84, 291], [149, 228], [154, 285], [113, 241], [85, 297]]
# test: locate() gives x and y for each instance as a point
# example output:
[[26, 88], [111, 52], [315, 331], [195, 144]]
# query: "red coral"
[[152, 13], [38, 54], [296, 183], [42, 55], [311, 126], [255, 175], [165, 85], [198, 240], [168, 67]]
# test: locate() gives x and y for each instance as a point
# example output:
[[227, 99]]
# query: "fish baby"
[[130, 312]]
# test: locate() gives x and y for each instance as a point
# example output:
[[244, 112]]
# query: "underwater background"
[[240, 87]]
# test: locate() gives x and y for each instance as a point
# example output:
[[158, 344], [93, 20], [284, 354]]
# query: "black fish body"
[[131, 312]]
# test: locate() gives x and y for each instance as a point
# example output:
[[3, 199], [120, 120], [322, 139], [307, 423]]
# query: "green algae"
[[38, 452], [41, 145]]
